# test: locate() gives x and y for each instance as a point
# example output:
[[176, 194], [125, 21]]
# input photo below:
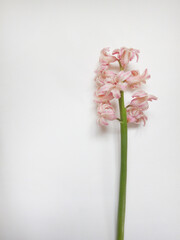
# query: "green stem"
[[123, 172]]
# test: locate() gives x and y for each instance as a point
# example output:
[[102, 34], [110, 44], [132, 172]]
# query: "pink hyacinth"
[[115, 85], [104, 76], [101, 67], [140, 100], [136, 115], [125, 55], [106, 57], [135, 80], [105, 112], [102, 97]]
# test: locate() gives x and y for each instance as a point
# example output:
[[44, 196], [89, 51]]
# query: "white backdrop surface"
[[59, 171]]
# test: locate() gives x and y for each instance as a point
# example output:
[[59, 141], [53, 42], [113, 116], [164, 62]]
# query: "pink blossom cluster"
[[110, 84]]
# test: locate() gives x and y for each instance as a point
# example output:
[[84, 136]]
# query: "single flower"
[[102, 97], [125, 55], [101, 67], [105, 112], [140, 100], [106, 57], [115, 85], [136, 115], [135, 80], [104, 76]]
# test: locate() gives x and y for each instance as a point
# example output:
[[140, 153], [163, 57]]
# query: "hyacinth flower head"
[[111, 86]]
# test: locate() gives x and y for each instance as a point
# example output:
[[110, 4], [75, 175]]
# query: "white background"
[[59, 171]]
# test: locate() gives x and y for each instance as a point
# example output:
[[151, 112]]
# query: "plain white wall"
[[59, 171]]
